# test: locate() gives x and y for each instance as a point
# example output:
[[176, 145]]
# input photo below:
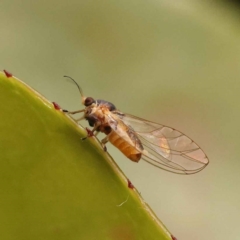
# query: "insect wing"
[[165, 147]]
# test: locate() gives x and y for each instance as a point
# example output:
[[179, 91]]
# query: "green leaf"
[[55, 186]]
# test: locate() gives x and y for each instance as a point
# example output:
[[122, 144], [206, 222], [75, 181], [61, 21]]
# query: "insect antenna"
[[79, 88]]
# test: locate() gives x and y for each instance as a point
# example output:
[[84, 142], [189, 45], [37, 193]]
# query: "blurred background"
[[172, 62]]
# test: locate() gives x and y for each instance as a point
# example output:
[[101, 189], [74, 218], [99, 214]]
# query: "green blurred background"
[[173, 62]]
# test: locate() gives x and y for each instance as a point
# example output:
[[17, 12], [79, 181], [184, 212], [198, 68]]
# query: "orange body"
[[125, 147]]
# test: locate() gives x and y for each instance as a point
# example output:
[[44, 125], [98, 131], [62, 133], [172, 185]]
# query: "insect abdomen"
[[127, 149]]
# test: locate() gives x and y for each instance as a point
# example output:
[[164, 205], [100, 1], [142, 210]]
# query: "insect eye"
[[89, 101]]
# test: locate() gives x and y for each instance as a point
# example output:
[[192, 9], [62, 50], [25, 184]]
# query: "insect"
[[137, 138]]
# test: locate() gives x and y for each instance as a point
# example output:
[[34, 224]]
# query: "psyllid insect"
[[137, 138]]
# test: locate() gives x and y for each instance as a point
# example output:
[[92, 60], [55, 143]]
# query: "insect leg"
[[73, 112], [80, 119], [97, 132], [103, 142], [91, 133]]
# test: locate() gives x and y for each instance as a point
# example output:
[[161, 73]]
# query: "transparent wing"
[[165, 147]]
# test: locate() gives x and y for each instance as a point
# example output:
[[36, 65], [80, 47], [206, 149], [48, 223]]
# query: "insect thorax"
[[102, 103], [96, 115]]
